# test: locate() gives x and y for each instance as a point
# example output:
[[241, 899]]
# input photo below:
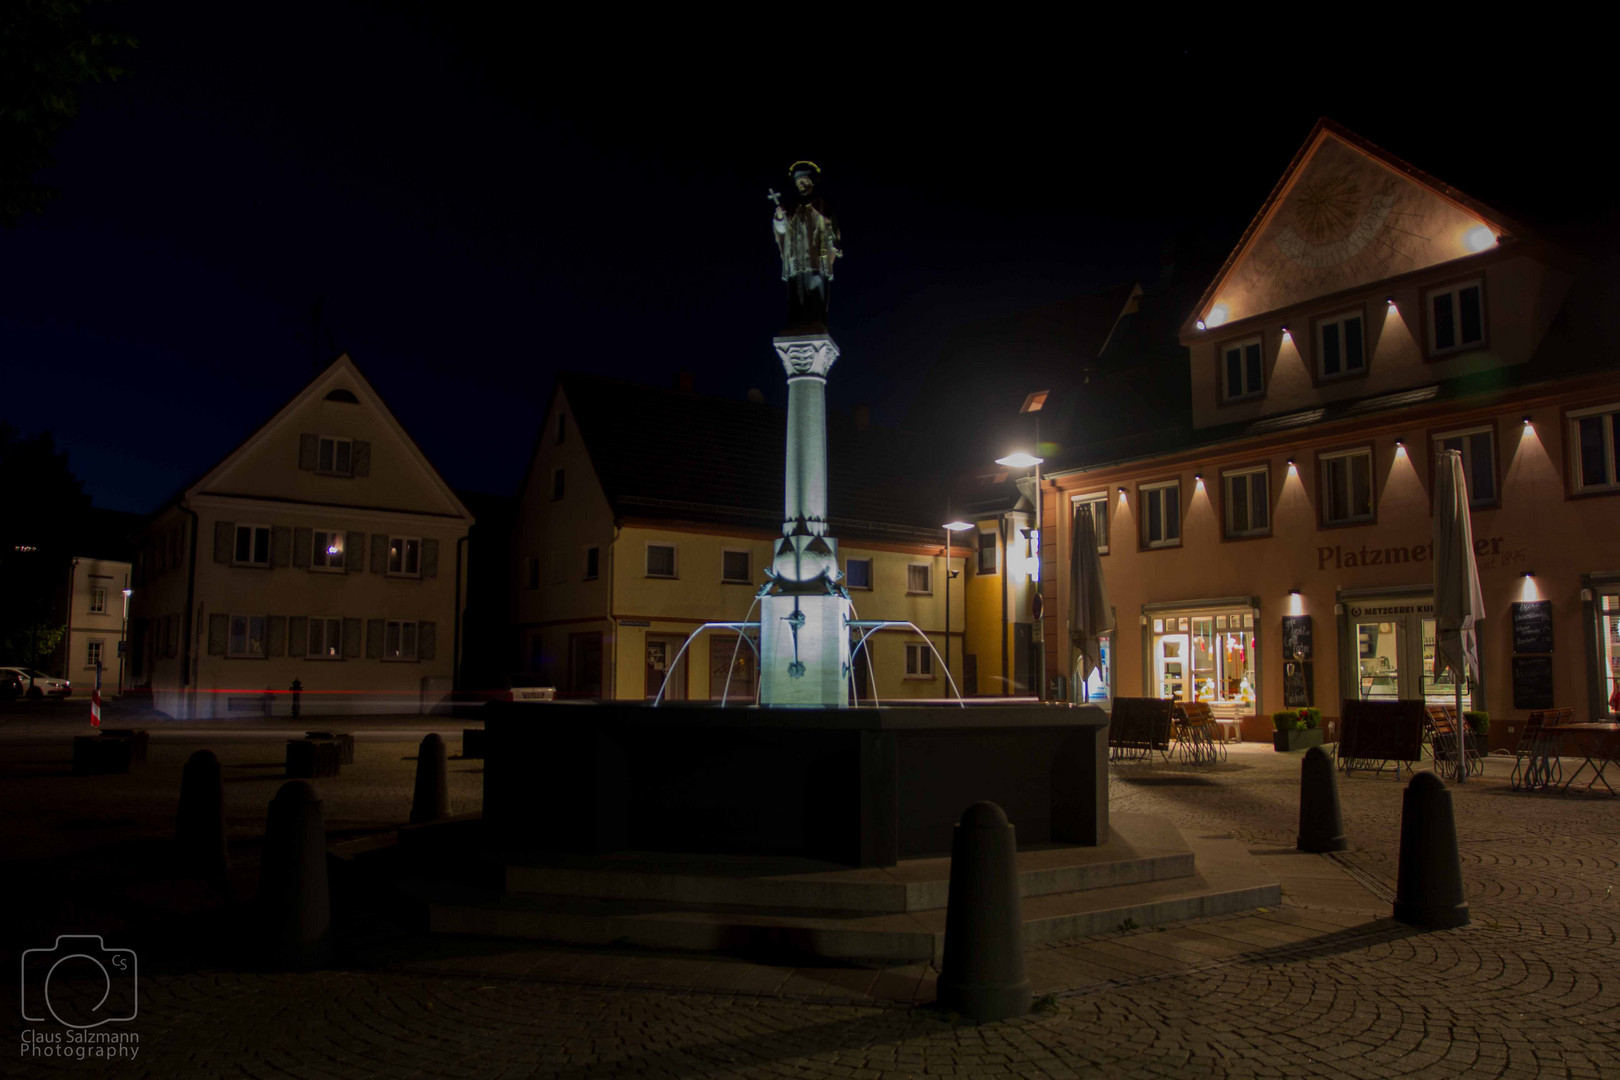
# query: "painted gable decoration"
[[1344, 216]]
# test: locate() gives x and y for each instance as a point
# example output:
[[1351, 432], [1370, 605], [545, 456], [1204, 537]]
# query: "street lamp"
[[950, 527], [1021, 460], [123, 640]]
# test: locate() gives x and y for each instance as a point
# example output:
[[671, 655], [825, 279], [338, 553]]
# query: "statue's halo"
[[809, 168]]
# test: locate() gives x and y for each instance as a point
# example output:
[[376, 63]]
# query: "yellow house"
[[324, 552], [648, 513]]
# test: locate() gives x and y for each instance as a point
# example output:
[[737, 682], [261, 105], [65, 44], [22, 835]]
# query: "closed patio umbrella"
[[1458, 602], [1089, 613]]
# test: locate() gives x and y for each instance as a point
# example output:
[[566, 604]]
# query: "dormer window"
[[1456, 317], [1242, 370]]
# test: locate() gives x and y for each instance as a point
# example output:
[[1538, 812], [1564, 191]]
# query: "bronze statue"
[[807, 237]]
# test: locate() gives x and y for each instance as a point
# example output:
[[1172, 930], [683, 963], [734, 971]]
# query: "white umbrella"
[[1089, 613], [1458, 602]]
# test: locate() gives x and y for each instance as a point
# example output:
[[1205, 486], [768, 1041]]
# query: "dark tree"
[[48, 50], [37, 533]]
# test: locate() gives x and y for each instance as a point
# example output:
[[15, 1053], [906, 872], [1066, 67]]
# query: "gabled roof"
[[1345, 213], [669, 455]]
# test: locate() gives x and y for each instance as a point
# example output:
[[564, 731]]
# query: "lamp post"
[[950, 527], [1021, 460], [123, 640]]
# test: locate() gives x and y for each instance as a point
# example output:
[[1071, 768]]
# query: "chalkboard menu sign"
[[1532, 627], [1532, 682], [1296, 632], [1296, 684]]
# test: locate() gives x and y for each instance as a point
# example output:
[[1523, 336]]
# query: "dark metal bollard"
[[431, 801], [295, 899], [297, 692], [1321, 822], [1429, 889], [982, 975], [199, 830]]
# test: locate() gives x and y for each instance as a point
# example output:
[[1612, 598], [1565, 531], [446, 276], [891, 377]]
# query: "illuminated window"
[[327, 549], [661, 560], [1242, 369], [919, 660], [1248, 502], [1479, 461], [1340, 348], [98, 600], [734, 567], [1161, 514], [399, 640], [593, 560], [1456, 317], [334, 456], [919, 578], [252, 545], [1099, 517], [405, 558], [325, 639], [1594, 436], [987, 551], [1347, 487], [246, 636], [858, 573]]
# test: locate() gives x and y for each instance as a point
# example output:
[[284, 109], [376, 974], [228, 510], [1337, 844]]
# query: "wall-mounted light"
[[1528, 573], [1290, 463], [1122, 491], [1479, 238], [1218, 315], [1586, 596], [1390, 300], [1144, 620], [1338, 609], [1200, 324], [1198, 478], [1527, 421], [1286, 333], [1293, 592]]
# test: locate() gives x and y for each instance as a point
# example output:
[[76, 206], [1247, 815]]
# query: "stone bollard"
[[982, 975], [1321, 823], [199, 830], [294, 896], [432, 799], [1429, 889]]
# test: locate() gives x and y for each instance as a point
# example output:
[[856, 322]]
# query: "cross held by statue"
[[775, 197]]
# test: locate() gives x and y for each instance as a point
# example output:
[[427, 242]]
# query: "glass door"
[[1378, 657], [1170, 657], [1441, 689], [1609, 649]]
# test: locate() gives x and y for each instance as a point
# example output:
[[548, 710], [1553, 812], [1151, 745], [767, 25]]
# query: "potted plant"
[[1479, 729], [1297, 729]]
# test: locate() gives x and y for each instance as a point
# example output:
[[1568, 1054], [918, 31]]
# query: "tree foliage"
[[48, 50], [38, 527]]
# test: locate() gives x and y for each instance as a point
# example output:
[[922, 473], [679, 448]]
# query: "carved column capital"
[[806, 354]]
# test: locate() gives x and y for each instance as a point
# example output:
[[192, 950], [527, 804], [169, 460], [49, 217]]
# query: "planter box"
[[1285, 741]]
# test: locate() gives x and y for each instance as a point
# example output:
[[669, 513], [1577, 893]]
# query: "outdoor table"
[[1598, 744]]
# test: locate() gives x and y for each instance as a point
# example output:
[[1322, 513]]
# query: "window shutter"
[[374, 639], [430, 558], [309, 448], [219, 629], [224, 540], [276, 635], [351, 638], [302, 539], [280, 545], [354, 551], [426, 638], [379, 552], [360, 459], [298, 635]]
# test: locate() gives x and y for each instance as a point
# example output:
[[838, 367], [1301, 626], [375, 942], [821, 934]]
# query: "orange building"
[[1369, 317]]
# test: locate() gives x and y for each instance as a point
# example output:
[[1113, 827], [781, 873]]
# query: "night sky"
[[482, 203]]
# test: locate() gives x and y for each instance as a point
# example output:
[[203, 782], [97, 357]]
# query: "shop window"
[[1099, 517], [1242, 369], [734, 568], [661, 560], [919, 578], [919, 660], [1347, 487], [858, 573], [1479, 462], [1248, 502], [1456, 317], [1595, 438], [1207, 656], [1161, 514], [1340, 348]]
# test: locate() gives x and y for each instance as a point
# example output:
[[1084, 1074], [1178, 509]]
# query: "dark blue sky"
[[483, 203]]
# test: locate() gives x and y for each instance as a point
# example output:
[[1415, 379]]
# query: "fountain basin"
[[861, 787]]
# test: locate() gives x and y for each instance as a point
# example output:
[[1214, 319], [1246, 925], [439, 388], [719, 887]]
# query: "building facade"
[[324, 552], [1278, 552], [96, 616]]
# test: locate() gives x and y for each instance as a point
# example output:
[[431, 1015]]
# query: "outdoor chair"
[[1445, 735], [1137, 727], [1535, 759], [1198, 739]]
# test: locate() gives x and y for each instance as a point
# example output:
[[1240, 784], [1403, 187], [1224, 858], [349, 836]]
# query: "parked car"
[[37, 684]]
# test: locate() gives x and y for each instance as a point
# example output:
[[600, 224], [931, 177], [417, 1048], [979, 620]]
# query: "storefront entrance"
[[1205, 654], [1394, 642]]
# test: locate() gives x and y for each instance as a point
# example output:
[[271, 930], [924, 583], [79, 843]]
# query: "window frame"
[[848, 562], [747, 578], [1223, 397], [1227, 476], [1455, 287], [325, 622], [928, 572], [1335, 453], [1610, 414], [923, 668], [1484, 427], [98, 600], [93, 650], [247, 636], [674, 561], [992, 549], [1319, 323], [416, 644], [252, 536], [319, 559], [1143, 489], [321, 441], [1097, 498], [403, 542]]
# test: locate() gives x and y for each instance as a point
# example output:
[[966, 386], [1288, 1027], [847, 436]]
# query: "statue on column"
[[807, 237]]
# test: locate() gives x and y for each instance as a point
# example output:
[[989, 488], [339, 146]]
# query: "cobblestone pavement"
[[1322, 987]]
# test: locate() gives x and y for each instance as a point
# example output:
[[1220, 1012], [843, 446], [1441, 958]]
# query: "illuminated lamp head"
[[1479, 238]]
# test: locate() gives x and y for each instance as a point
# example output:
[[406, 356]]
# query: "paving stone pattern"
[[1326, 985]]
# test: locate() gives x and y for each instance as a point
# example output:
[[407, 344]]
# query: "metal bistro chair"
[[1445, 734], [1535, 759], [1197, 734]]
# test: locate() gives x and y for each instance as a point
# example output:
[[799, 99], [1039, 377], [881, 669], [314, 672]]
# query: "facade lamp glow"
[[1390, 300], [1527, 421], [1218, 315], [1479, 238]]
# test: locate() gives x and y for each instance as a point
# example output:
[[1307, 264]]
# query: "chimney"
[[863, 416], [685, 381]]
